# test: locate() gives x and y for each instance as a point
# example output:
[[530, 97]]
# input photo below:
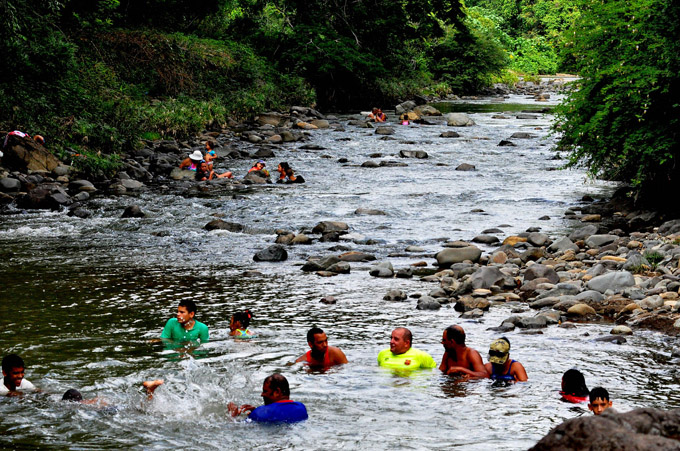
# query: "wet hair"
[[72, 395], [407, 334], [311, 332], [598, 392], [456, 334], [573, 383], [277, 380], [188, 304], [243, 318], [12, 361], [285, 166]]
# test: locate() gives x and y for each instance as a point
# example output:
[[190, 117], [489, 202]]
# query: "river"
[[80, 301]]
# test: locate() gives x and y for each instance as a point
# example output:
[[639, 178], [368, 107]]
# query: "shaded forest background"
[[98, 75]]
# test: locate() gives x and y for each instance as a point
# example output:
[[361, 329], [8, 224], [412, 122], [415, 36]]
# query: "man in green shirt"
[[184, 327], [401, 355]]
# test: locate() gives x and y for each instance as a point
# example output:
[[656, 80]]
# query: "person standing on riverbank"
[[458, 359], [184, 327], [321, 355], [401, 355], [13, 370], [501, 367], [277, 408]]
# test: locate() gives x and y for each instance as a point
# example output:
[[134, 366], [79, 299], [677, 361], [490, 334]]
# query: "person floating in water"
[[238, 325], [184, 327], [405, 119], [377, 115], [401, 355], [321, 355], [13, 371], [192, 162], [458, 359], [574, 389], [277, 408], [501, 367], [599, 401], [287, 175]]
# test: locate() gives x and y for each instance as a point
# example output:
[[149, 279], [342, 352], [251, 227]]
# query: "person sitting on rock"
[[205, 172], [377, 115], [13, 370], [258, 169], [599, 400], [458, 359], [287, 175], [277, 408], [192, 162], [321, 355], [500, 367], [574, 389]]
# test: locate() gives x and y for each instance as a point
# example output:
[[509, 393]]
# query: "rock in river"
[[274, 253]]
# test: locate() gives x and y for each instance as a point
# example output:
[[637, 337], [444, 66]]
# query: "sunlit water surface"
[[80, 301]]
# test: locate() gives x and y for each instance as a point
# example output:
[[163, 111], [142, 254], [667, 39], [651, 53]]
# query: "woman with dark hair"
[[574, 389], [287, 175]]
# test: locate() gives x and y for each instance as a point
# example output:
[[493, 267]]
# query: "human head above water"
[[242, 318], [456, 333], [499, 351], [599, 400], [573, 383], [188, 304], [11, 361], [284, 166], [72, 395], [311, 332], [401, 340], [275, 388]]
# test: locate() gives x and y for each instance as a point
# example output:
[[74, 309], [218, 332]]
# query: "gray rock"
[[640, 429], [458, 120], [536, 322], [420, 154], [485, 239], [131, 185], [61, 170], [355, 256], [370, 164], [597, 241], [561, 289], [382, 269], [404, 273], [583, 232], [635, 260], [80, 212], [330, 226], [8, 185], [473, 314], [319, 264], [551, 316], [545, 302], [650, 302], [218, 224], [465, 167], [81, 196], [566, 302], [621, 330], [447, 257], [428, 303], [274, 253], [133, 211], [404, 107], [522, 135], [449, 135], [487, 276], [538, 271], [395, 295], [590, 295], [615, 281], [255, 177], [369, 211], [563, 244], [384, 130], [538, 239], [81, 185], [301, 239], [339, 268], [506, 143], [615, 339], [670, 227]]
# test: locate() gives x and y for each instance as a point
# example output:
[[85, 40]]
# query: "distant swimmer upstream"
[[401, 355]]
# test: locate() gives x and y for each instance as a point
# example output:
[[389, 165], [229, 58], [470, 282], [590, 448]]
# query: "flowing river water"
[[80, 301]]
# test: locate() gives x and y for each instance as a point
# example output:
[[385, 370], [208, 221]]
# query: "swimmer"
[[73, 395], [458, 359], [13, 370], [151, 386], [377, 115], [287, 175], [184, 327], [500, 366], [321, 355], [405, 119], [401, 355], [277, 408], [238, 325], [191, 163], [599, 401], [574, 389], [259, 167]]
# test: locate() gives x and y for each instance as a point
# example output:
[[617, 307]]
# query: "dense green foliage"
[[623, 121]]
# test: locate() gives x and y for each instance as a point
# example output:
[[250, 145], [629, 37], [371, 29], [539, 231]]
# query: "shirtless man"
[[458, 358], [321, 355]]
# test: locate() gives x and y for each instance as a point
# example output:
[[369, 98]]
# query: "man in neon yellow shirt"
[[184, 327], [401, 355]]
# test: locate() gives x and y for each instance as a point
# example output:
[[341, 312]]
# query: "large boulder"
[[46, 196], [562, 245], [427, 110], [26, 154], [595, 241], [447, 257], [330, 226], [583, 232], [539, 271], [382, 269], [458, 120], [486, 277], [274, 253], [615, 281], [640, 429], [404, 107]]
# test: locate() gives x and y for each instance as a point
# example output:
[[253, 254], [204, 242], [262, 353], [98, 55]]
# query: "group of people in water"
[[203, 166], [458, 360]]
